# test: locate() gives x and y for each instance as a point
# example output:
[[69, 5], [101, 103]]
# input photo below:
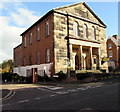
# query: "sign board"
[[68, 67], [106, 59]]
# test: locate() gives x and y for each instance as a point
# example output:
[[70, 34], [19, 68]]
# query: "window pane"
[[38, 58], [85, 31], [47, 29], [30, 38], [110, 46], [94, 32], [75, 27], [38, 33], [110, 54], [24, 41], [47, 55]]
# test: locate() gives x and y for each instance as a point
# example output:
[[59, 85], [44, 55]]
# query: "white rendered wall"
[[22, 71]]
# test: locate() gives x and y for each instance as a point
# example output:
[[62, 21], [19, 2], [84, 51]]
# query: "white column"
[[91, 58], [99, 59], [81, 64], [71, 55], [73, 64]]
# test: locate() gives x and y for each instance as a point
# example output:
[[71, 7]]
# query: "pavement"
[[8, 89]]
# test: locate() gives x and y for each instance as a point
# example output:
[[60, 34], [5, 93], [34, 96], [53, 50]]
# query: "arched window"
[[25, 42], [85, 31], [47, 28], [75, 27], [93, 32], [38, 33]]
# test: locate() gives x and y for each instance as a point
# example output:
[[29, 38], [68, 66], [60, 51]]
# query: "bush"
[[81, 76], [8, 76], [29, 79], [111, 69], [61, 75], [40, 78]]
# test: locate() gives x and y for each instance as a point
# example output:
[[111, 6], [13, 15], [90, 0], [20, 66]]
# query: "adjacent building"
[[72, 36], [113, 51]]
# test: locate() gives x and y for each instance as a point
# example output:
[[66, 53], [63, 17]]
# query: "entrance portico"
[[85, 56]]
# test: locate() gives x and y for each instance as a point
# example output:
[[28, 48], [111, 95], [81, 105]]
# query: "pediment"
[[81, 10]]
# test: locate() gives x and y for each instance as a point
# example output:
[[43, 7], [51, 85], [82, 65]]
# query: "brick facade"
[[113, 50], [85, 52]]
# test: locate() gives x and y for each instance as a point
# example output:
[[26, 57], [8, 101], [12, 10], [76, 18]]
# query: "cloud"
[[10, 38], [1, 6], [12, 25], [23, 17]]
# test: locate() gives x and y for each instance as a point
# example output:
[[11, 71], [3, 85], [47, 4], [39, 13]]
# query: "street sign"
[[106, 59], [68, 67]]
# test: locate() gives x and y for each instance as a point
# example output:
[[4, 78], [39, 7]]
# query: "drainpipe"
[[68, 43], [68, 49], [67, 37]]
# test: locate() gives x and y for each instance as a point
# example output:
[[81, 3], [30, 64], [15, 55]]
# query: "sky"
[[16, 17]]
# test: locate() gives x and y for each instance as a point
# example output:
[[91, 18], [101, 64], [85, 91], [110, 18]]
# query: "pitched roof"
[[115, 41], [53, 10]]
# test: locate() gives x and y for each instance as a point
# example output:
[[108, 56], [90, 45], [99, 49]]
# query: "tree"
[[7, 66]]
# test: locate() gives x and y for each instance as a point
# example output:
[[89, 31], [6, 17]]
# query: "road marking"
[[62, 92], [8, 97], [72, 90], [37, 98], [52, 87], [88, 87], [23, 101], [93, 86], [44, 89], [4, 105], [52, 95], [82, 88], [99, 86]]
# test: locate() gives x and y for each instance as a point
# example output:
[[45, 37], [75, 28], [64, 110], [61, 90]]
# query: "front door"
[[34, 75]]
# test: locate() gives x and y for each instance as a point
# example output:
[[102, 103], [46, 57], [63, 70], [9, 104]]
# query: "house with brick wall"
[[71, 36], [113, 51]]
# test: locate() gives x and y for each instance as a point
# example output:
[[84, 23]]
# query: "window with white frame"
[[38, 33], [38, 58], [75, 27], [93, 32], [110, 46], [85, 31], [110, 54], [47, 28], [48, 55], [30, 38], [25, 42]]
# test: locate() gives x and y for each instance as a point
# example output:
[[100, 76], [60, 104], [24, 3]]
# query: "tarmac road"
[[75, 99]]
